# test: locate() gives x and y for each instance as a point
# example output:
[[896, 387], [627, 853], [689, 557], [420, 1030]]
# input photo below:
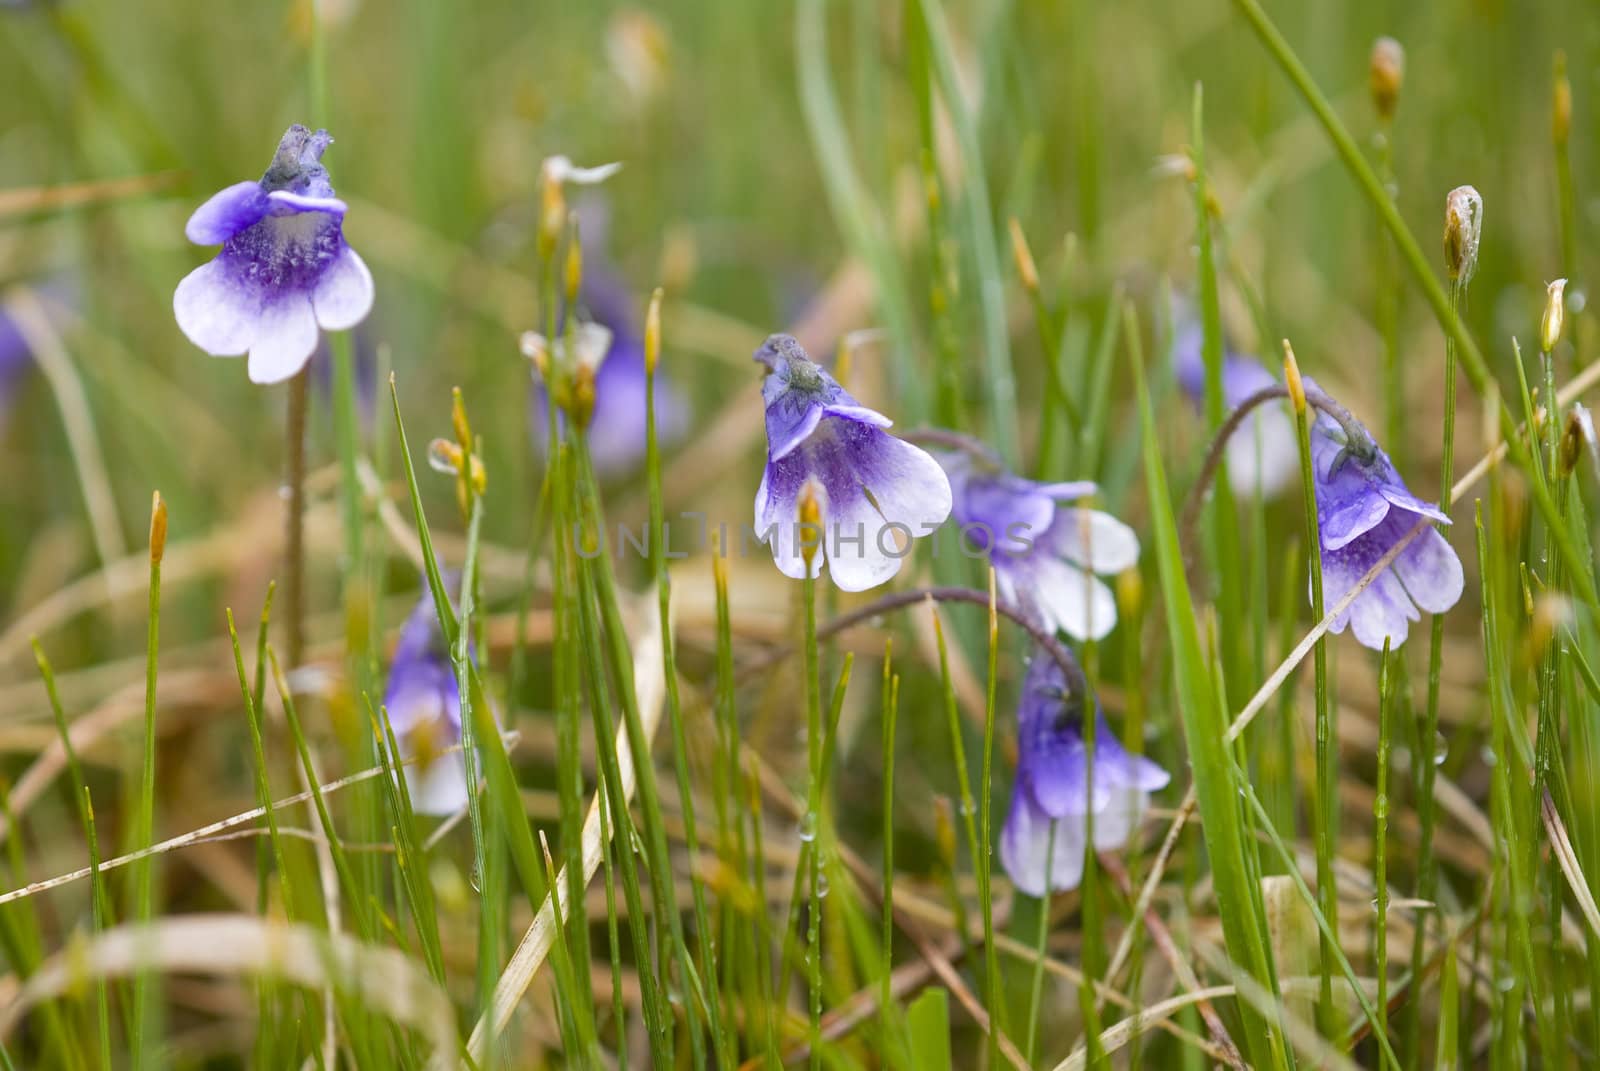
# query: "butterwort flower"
[[1045, 552], [617, 426], [284, 271], [1050, 797], [424, 707], [15, 360], [876, 492], [1363, 509], [1263, 457]]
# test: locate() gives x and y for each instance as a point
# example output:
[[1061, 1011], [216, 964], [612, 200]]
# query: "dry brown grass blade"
[[650, 688], [1568, 859], [33, 200], [382, 979]]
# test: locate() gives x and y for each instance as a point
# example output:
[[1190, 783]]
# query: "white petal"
[[909, 485], [863, 549], [1120, 819], [343, 296], [1262, 456], [1025, 848], [1095, 540], [562, 169], [1071, 599], [218, 315], [441, 788], [285, 339]]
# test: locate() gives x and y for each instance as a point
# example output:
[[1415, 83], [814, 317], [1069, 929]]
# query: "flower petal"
[[1345, 515], [1431, 571], [1383, 610], [1119, 821], [860, 413], [906, 482], [1026, 848], [1071, 599], [288, 203], [1397, 494], [285, 338], [439, 788], [1094, 540], [216, 311], [777, 501], [343, 296], [790, 424], [1263, 457], [226, 213], [863, 549]]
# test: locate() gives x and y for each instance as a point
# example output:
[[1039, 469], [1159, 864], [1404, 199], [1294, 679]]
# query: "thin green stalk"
[[811, 821], [143, 1015], [721, 1039], [619, 1008], [1380, 848], [1426, 769], [1327, 803], [890, 711]]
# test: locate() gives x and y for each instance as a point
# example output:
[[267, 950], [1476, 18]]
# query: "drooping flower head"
[[1263, 457], [616, 425], [1050, 798], [424, 707], [876, 492], [1045, 553], [284, 271], [1363, 509]]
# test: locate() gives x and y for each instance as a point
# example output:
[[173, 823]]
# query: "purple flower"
[[1262, 455], [1045, 554], [15, 360], [617, 427], [1364, 509], [876, 493], [284, 270], [424, 708], [1050, 798]]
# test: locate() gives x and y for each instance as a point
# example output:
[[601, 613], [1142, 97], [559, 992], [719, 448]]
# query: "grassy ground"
[[1369, 859]]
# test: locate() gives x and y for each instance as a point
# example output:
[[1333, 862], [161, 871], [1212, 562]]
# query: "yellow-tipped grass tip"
[[1463, 227], [1291, 379], [1027, 271], [158, 528], [652, 332]]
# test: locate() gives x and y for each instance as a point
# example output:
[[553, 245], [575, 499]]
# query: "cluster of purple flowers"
[[285, 272]]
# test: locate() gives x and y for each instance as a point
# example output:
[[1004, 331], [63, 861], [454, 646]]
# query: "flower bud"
[[458, 419], [158, 528], [1561, 104], [1576, 436], [1463, 226], [574, 267], [944, 832], [1291, 379], [1386, 72], [1554, 312], [1026, 270], [652, 333]]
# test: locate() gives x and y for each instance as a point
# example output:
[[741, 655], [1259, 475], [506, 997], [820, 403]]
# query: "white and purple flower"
[[1263, 457], [1045, 553], [284, 271], [1364, 509], [1050, 799], [876, 493], [424, 708]]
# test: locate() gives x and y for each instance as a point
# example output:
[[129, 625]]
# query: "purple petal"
[[1431, 572], [286, 336], [861, 413], [1398, 495], [907, 483], [218, 313], [1349, 514], [343, 296], [1383, 609], [789, 423], [776, 519], [226, 213]]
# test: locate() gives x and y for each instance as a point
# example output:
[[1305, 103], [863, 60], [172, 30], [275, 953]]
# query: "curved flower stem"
[[1360, 444], [294, 541], [1060, 652], [954, 440]]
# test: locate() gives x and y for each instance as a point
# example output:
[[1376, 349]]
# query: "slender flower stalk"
[[809, 518]]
